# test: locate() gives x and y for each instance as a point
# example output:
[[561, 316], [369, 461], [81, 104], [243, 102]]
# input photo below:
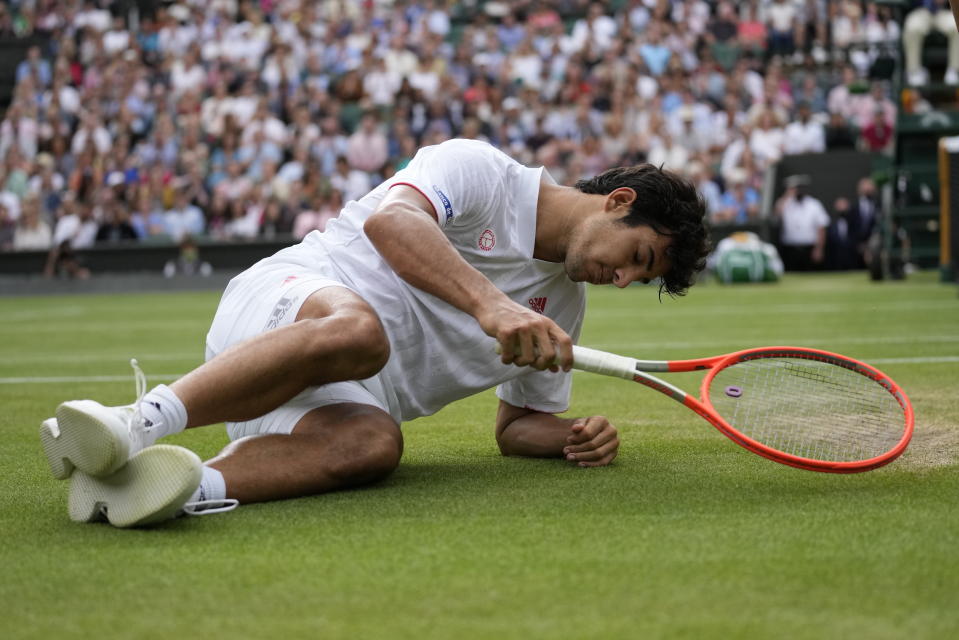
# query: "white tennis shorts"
[[265, 297]]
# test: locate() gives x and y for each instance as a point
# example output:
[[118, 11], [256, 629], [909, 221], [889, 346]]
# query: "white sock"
[[164, 413], [212, 486]]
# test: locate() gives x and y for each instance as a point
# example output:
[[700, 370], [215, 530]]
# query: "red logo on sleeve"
[[538, 305], [487, 240]]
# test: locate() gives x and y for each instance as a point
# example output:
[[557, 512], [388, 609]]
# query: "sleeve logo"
[[447, 206], [487, 240], [538, 305]]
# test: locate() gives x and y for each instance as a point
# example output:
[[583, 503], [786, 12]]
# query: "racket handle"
[[595, 361], [607, 364]]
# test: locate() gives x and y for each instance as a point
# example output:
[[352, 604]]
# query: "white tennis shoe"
[[92, 438], [155, 485]]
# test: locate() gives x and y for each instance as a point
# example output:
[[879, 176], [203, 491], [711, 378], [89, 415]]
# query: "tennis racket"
[[805, 408]]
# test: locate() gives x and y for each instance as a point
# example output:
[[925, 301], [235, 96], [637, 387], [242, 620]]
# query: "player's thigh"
[[271, 296]]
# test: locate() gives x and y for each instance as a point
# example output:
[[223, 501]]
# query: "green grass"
[[685, 536]]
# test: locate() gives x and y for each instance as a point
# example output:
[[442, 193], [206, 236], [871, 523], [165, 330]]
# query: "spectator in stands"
[[840, 250], [366, 149], [115, 224], [838, 133], [767, 140], [32, 232], [740, 202], [847, 26], [34, 68], [352, 184], [803, 222], [254, 102], [782, 27], [596, 30], [654, 53], [183, 218], [804, 135], [8, 228], [840, 98], [864, 107], [309, 220], [146, 217], [926, 16], [876, 136]]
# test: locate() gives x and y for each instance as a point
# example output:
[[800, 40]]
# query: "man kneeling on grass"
[[318, 353]]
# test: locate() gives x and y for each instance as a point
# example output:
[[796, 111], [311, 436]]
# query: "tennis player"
[[317, 354]]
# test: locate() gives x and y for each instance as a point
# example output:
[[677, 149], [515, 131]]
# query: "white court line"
[[174, 376], [32, 314], [63, 379], [67, 358], [103, 327]]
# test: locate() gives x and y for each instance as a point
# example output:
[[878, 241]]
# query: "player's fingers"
[[591, 427], [545, 351], [527, 350], [507, 348], [601, 438], [595, 454], [607, 457], [563, 345]]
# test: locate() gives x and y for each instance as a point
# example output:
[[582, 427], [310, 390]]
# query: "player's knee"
[[370, 344], [374, 454], [355, 344]]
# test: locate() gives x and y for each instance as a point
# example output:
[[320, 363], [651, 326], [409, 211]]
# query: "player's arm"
[[404, 230], [589, 442]]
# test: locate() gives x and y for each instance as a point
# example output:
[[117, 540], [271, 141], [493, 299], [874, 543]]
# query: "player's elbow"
[[378, 224]]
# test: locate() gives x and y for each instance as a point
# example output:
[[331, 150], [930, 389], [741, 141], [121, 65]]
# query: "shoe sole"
[[152, 487], [85, 435]]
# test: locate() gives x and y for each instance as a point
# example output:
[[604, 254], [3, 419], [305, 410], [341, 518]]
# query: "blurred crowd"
[[245, 119]]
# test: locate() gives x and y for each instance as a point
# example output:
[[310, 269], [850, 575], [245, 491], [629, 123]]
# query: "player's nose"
[[623, 277]]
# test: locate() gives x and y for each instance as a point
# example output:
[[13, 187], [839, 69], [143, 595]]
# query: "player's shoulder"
[[467, 151]]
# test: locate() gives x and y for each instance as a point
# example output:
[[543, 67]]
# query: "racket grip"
[[595, 361], [607, 364]]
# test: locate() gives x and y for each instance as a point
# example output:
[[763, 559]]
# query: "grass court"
[[686, 536]]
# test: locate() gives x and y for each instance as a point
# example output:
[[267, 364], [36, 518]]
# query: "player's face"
[[606, 251]]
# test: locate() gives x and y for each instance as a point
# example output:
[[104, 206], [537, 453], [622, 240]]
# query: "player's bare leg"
[[333, 447], [336, 336]]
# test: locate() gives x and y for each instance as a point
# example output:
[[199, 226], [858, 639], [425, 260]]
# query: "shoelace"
[[205, 507], [141, 384]]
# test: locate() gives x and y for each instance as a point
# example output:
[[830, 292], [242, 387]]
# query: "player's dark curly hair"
[[672, 206]]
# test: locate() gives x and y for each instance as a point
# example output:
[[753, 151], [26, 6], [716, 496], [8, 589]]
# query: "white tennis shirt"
[[486, 205], [802, 220]]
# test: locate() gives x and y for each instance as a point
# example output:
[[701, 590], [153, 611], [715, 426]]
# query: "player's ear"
[[620, 200]]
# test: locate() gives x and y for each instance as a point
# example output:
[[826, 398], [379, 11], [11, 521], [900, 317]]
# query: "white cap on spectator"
[[799, 180], [180, 13], [512, 102], [114, 178], [496, 9], [738, 175]]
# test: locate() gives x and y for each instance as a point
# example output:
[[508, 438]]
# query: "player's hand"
[[593, 442], [527, 338]]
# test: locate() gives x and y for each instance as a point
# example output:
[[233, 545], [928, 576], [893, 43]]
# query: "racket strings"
[[808, 408]]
